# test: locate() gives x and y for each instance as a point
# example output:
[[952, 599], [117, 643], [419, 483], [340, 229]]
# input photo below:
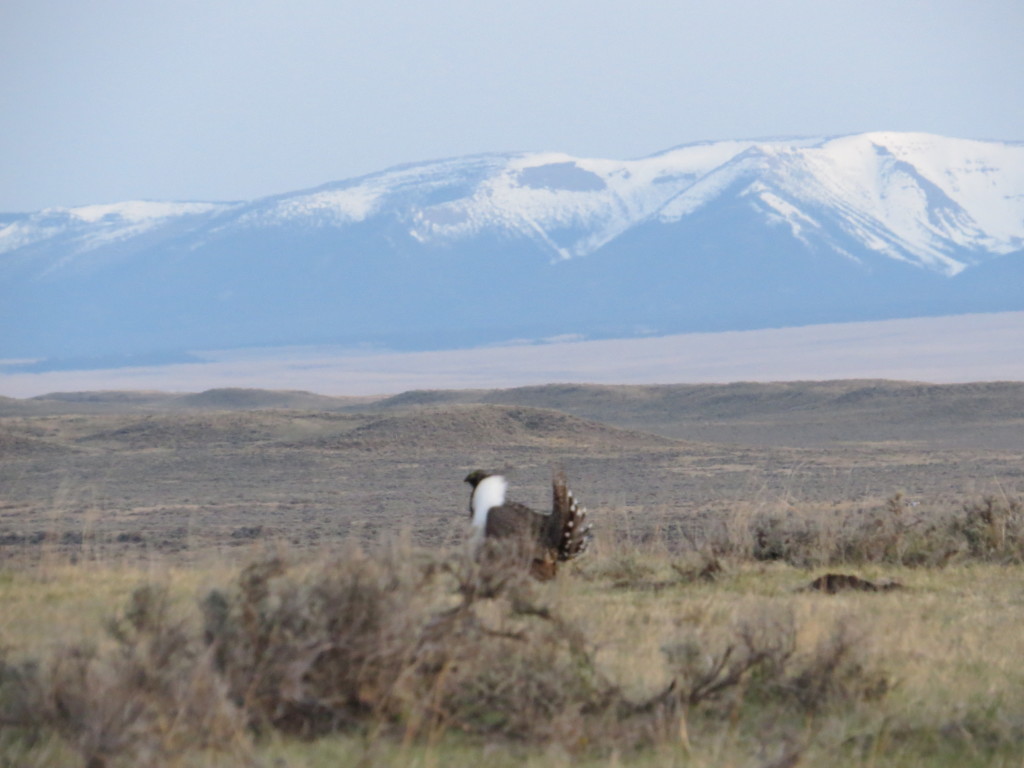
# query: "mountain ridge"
[[721, 235]]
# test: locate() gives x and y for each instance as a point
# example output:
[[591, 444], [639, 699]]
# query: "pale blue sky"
[[108, 100]]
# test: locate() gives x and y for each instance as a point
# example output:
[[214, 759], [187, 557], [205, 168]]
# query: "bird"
[[546, 538]]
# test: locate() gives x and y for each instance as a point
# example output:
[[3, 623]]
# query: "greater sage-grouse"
[[545, 538]]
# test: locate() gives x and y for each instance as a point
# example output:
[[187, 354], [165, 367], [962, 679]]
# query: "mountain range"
[[522, 247]]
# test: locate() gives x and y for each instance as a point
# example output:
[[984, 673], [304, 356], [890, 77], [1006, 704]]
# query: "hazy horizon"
[[953, 349]]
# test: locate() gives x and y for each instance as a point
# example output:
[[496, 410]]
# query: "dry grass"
[[397, 656]]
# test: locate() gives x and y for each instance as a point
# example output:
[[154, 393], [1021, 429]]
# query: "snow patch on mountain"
[[356, 200], [338, 206], [138, 211], [913, 197], [96, 225], [786, 213], [985, 177], [576, 205]]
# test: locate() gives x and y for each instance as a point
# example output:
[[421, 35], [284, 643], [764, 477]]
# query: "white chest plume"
[[489, 492]]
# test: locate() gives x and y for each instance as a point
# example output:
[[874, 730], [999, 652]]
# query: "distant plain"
[[99, 475], [958, 348]]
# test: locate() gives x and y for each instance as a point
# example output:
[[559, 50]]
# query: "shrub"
[[21, 699], [992, 529], [399, 643], [312, 656], [757, 661], [366, 642], [152, 695], [989, 529]]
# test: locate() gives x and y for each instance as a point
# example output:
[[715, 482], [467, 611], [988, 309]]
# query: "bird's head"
[[474, 477]]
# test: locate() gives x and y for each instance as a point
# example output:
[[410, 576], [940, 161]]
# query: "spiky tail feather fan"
[[569, 533]]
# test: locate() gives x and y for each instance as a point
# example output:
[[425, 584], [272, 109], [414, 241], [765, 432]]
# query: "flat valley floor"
[[132, 474]]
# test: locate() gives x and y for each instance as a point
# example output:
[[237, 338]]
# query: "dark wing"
[[515, 520], [567, 532]]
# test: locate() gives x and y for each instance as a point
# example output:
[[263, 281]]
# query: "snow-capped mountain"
[[484, 249]]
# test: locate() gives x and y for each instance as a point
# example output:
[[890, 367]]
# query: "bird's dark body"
[[547, 538]]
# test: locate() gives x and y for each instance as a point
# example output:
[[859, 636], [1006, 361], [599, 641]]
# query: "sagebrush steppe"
[[687, 637], [109, 474]]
